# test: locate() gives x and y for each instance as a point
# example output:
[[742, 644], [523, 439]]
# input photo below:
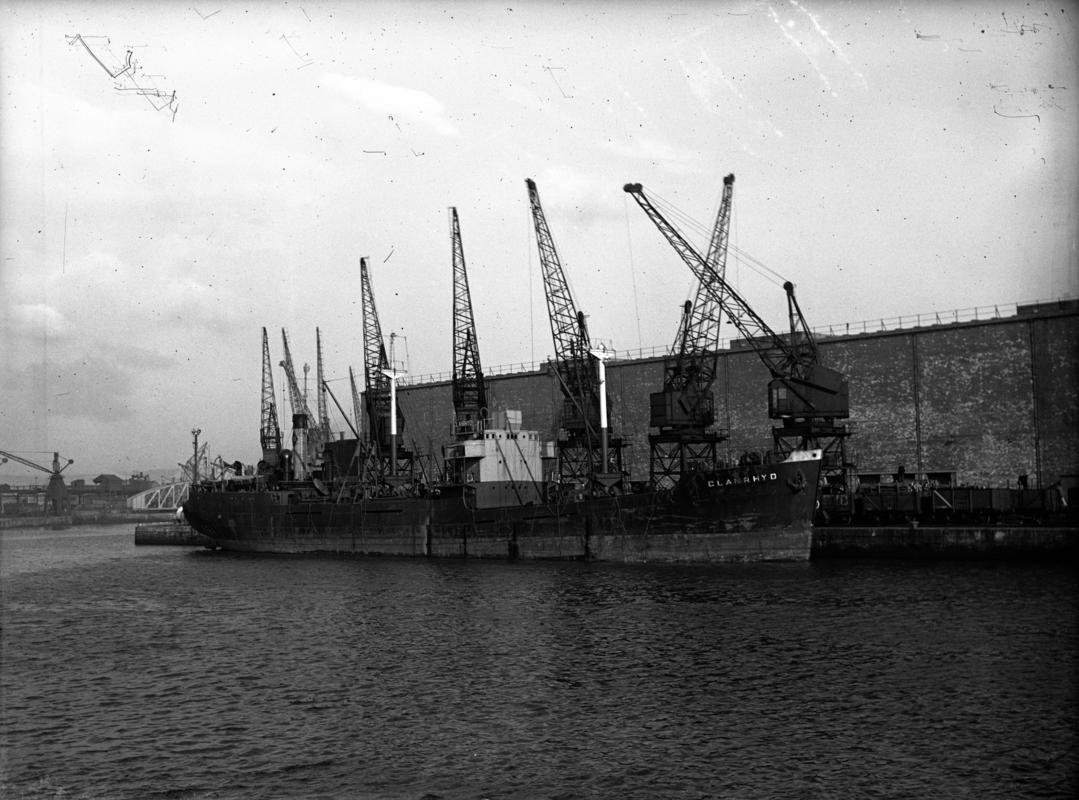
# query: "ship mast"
[[357, 406], [305, 438]]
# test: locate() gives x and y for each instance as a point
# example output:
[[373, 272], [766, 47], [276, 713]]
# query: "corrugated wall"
[[986, 400]]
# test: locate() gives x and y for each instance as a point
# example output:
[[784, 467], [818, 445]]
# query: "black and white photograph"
[[413, 400]]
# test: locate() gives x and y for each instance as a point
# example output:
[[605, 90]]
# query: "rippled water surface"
[[169, 672]]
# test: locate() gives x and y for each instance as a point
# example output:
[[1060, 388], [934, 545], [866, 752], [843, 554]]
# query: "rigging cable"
[[632, 272], [531, 309], [688, 223]]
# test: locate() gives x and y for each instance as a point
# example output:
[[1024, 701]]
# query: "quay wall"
[[1058, 544], [986, 401], [169, 533]]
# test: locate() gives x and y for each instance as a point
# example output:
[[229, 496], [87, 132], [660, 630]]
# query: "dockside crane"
[[683, 412], [56, 490], [581, 452], [469, 388], [270, 429], [808, 398], [470, 412], [377, 386]]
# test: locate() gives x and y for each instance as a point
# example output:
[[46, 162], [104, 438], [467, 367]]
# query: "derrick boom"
[[357, 407], [296, 398], [305, 438], [469, 389], [270, 429]]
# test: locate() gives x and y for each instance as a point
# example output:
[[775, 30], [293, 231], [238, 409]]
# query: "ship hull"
[[755, 513]]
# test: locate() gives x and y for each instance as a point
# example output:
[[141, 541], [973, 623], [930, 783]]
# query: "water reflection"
[[139, 672]]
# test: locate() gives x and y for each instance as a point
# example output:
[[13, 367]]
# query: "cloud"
[[99, 386], [522, 96], [649, 149], [399, 101], [25, 319]]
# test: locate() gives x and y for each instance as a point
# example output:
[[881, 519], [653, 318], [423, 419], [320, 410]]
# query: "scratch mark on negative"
[[1016, 116]]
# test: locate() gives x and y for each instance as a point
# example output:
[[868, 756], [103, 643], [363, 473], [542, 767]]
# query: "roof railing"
[[881, 325]]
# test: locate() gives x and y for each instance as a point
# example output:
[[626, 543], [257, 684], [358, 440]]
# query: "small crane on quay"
[[56, 491], [808, 398]]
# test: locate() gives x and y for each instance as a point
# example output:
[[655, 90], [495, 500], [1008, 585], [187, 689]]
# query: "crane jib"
[[755, 330], [800, 386]]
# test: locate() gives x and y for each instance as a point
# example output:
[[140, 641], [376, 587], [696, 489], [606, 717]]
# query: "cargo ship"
[[751, 512], [504, 492]]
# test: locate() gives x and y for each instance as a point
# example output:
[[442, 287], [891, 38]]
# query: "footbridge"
[[160, 498]]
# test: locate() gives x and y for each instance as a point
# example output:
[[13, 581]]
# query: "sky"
[[176, 176]]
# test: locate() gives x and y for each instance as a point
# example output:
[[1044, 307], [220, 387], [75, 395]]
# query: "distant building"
[[110, 483]]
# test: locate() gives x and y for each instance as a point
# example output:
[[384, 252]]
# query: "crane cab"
[[821, 392]]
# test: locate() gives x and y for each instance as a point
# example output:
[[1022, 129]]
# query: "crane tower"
[[683, 412], [469, 388], [581, 454], [56, 501], [377, 385], [270, 430], [809, 399]]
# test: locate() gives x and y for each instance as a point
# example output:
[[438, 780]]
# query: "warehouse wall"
[[986, 400]]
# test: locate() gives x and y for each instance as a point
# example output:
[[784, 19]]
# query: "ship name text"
[[771, 476]]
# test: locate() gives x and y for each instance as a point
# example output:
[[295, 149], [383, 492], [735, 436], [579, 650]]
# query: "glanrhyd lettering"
[[771, 476]]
